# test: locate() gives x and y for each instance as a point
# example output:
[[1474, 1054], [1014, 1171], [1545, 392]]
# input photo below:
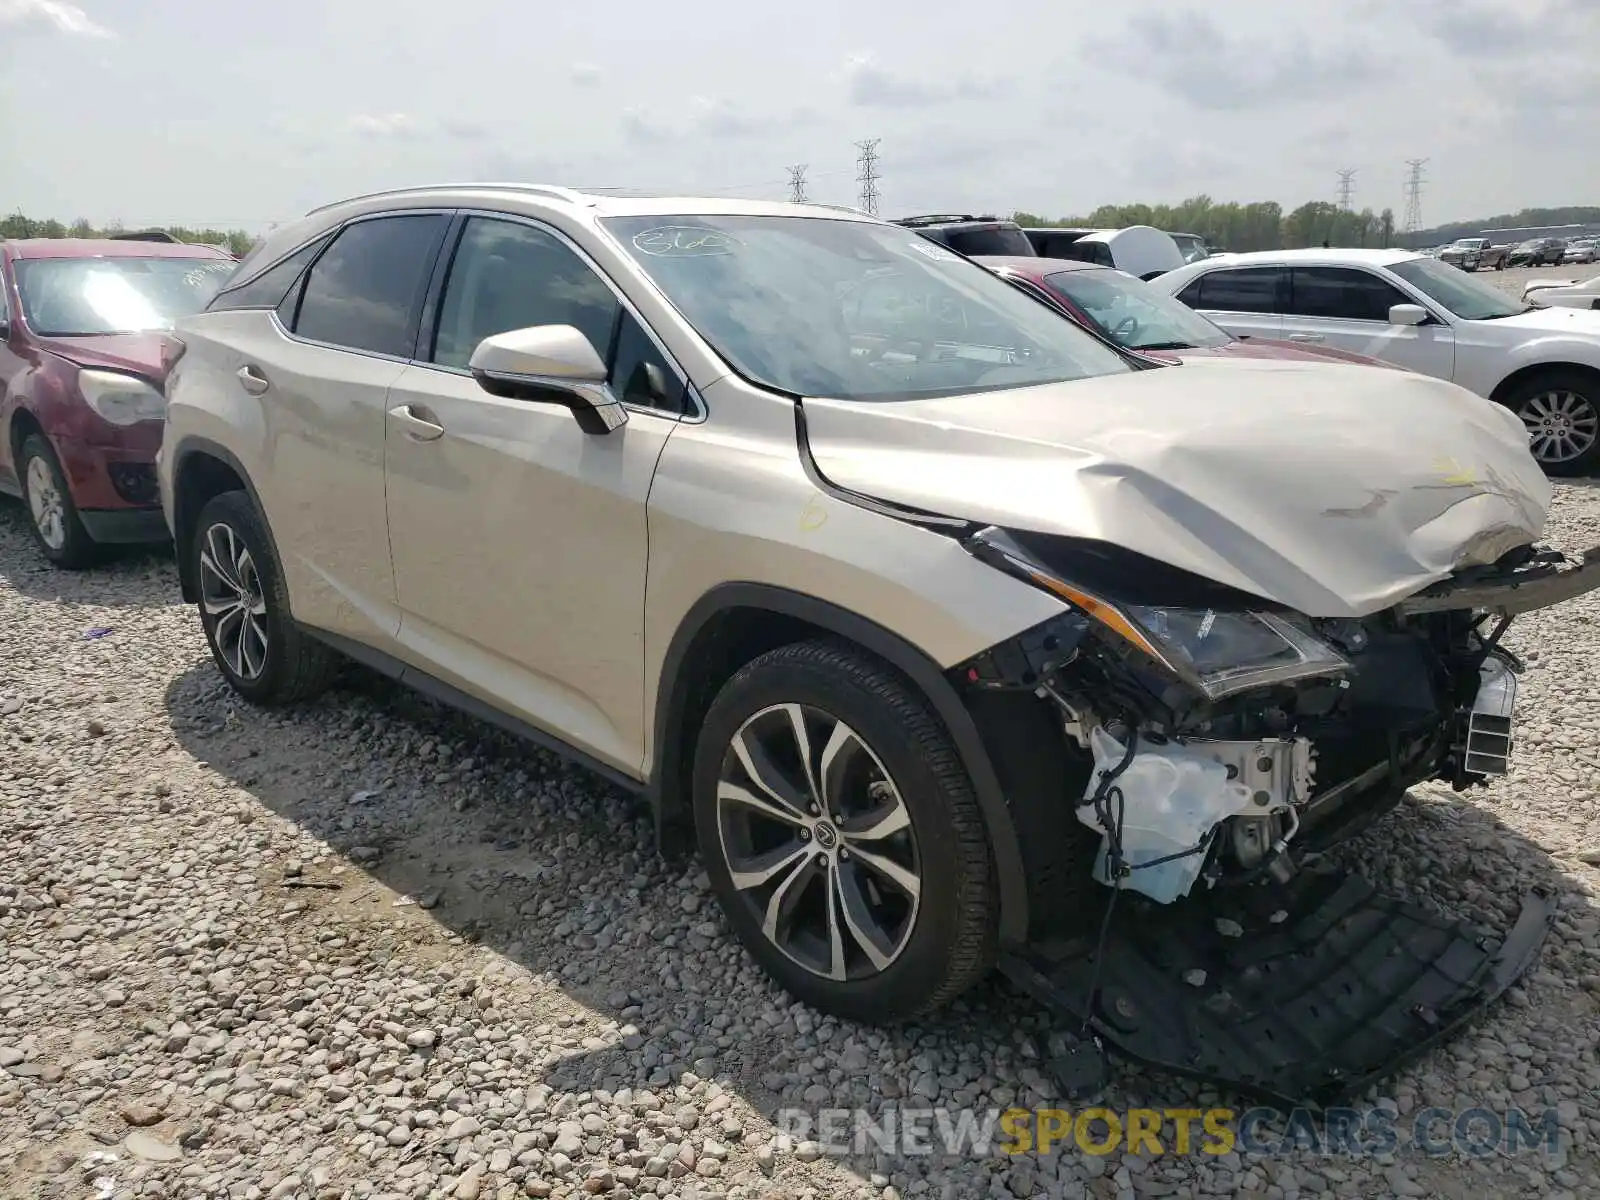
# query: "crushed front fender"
[[1300, 994]]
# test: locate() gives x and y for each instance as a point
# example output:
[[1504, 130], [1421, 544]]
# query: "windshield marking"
[[683, 241]]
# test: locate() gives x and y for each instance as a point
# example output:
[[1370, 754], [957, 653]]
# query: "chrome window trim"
[[699, 411]]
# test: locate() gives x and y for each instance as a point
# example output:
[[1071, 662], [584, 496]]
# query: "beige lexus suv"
[[938, 622]]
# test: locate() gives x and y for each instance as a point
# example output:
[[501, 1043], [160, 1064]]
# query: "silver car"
[[937, 622]]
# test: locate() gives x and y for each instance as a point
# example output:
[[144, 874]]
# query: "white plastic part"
[[1489, 741], [1172, 798]]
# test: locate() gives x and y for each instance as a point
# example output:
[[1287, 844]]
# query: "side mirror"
[[1408, 314], [549, 364]]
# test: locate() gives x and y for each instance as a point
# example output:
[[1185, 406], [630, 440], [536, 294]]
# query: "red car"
[[82, 362], [1135, 315]]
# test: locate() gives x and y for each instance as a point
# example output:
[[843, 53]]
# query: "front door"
[[1348, 309], [519, 541]]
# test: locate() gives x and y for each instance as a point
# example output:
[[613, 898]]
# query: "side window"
[[1245, 290], [1191, 294], [366, 291], [1342, 293], [640, 375], [267, 289], [506, 276]]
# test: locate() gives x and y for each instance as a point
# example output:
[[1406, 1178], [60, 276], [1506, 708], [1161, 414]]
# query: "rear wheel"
[[52, 515], [842, 835], [1561, 410], [244, 608]]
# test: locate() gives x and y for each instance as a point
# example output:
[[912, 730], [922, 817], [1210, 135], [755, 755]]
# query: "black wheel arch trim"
[[187, 449], [671, 806]]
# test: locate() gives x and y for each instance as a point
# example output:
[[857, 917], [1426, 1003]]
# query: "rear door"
[[1246, 301], [309, 381], [1347, 308]]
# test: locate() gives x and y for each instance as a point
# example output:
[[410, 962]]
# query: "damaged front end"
[[1224, 743]]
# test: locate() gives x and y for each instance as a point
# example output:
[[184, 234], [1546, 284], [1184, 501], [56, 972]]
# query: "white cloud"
[[384, 125], [585, 74], [872, 85], [64, 18]]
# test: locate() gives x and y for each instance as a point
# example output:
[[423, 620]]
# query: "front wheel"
[[52, 514], [1561, 410], [244, 608], [842, 835]]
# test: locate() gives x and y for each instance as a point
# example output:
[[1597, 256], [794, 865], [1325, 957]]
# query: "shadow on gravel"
[[509, 847], [506, 846], [127, 576]]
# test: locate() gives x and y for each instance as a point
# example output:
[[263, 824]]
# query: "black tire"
[[291, 666], [77, 549], [1573, 381], [950, 942]]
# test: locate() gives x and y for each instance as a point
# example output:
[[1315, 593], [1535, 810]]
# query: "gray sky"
[[194, 112]]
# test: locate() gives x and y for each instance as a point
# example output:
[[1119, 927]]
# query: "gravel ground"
[[371, 948]]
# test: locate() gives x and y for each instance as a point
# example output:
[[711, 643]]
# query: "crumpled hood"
[[1335, 490], [142, 354]]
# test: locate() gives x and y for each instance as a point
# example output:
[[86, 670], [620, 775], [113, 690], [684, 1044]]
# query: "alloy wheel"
[[232, 601], [1562, 425], [818, 842], [46, 504]]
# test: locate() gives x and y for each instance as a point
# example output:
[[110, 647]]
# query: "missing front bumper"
[[1326, 987]]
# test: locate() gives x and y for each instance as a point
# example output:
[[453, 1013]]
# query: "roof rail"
[[554, 191]]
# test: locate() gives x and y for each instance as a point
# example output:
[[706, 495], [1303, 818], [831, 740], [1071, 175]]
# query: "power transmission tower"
[[1413, 218], [1347, 187], [797, 184], [867, 177]]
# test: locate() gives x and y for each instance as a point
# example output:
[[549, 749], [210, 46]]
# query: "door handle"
[[418, 428], [1307, 337], [252, 380]]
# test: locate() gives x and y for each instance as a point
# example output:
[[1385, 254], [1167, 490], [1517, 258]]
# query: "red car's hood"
[[1268, 348], [144, 354]]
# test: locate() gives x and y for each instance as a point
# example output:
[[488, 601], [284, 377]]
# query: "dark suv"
[[1539, 252], [972, 236], [82, 362]]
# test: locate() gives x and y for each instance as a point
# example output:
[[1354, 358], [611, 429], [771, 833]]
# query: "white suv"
[[1416, 312]]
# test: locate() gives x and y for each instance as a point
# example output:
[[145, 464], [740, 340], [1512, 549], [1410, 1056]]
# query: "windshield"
[[1461, 294], [87, 297], [1134, 314], [853, 310]]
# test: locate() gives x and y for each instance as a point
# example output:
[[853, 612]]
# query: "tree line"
[[1262, 225], [1265, 226], [19, 226]]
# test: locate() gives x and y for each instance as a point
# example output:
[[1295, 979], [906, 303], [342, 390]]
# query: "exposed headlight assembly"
[[1218, 653], [121, 399]]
